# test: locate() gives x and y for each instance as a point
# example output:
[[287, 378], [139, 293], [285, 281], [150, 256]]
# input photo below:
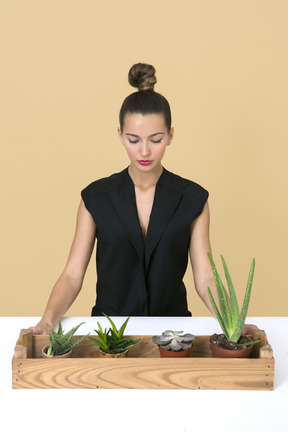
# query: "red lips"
[[145, 162]]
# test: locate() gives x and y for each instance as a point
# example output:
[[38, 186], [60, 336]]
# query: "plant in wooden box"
[[231, 343], [112, 342], [61, 344], [174, 343]]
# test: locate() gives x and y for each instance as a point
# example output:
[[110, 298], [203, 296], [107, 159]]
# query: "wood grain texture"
[[142, 369]]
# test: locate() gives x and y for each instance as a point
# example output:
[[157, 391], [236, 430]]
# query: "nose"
[[145, 149]]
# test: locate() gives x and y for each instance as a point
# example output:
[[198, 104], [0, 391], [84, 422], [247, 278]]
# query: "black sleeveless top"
[[137, 277]]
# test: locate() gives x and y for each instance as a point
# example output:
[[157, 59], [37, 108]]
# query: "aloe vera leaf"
[[102, 336], [124, 342], [233, 299], [117, 334], [59, 342], [104, 346], [50, 350], [237, 333], [69, 345], [60, 331], [100, 331], [224, 307], [124, 345], [222, 297], [73, 330], [77, 341], [250, 343], [217, 313], [123, 327], [111, 322]]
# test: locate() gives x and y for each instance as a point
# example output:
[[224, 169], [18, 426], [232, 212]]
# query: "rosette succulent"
[[62, 343], [174, 340]]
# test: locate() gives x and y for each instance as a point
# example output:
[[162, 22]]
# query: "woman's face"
[[145, 138]]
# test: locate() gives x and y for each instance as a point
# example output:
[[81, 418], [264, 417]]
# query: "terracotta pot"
[[45, 355], [108, 355], [174, 354], [221, 352]]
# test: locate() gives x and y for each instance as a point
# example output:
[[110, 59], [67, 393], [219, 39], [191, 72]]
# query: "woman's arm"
[[70, 281], [199, 248]]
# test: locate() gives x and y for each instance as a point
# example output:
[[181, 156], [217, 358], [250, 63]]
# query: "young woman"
[[146, 220]]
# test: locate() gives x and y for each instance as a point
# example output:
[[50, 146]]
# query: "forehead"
[[144, 124]]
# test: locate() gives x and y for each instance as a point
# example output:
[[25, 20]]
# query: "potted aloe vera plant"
[[61, 344], [174, 343], [112, 342], [231, 343]]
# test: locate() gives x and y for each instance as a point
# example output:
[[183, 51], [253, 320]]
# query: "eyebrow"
[[137, 136]]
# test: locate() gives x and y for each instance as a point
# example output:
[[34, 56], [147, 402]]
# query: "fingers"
[[40, 330], [248, 329]]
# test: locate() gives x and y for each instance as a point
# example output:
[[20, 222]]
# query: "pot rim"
[[170, 353], [113, 355], [44, 353]]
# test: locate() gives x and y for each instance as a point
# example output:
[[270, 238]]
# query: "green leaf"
[[100, 328], [237, 333], [233, 299], [50, 350], [123, 327], [115, 331], [222, 297], [117, 334], [73, 330], [62, 343], [250, 343], [60, 331], [217, 313]]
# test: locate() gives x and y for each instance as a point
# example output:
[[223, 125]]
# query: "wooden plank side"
[[141, 373], [142, 369], [26, 340]]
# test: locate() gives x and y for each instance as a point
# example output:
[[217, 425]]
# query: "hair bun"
[[142, 76]]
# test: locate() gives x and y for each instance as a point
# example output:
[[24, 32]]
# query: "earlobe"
[[171, 134], [120, 135]]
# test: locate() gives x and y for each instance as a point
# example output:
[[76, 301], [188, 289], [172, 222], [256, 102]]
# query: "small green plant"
[[230, 319], [174, 340], [62, 343], [112, 341]]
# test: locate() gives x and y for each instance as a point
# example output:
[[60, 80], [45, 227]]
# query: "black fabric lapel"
[[166, 201], [124, 202]]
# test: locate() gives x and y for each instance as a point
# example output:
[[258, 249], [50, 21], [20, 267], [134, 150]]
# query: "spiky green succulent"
[[62, 343], [112, 341], [174, 340], [229, 317]]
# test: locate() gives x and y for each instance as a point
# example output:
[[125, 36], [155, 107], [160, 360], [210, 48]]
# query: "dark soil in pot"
[[220, 341]]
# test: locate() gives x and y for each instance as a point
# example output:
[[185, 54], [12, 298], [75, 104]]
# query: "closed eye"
[[156, 141], [133, 141]]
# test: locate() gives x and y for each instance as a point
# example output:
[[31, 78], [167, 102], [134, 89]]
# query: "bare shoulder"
[[202, 221], [84, 218]]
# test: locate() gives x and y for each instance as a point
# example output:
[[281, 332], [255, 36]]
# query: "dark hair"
[[146, 100]]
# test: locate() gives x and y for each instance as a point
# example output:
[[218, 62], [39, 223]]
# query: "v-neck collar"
[[166, 200]]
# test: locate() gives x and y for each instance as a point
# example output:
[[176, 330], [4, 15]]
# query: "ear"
[[120, 135], [171, 135]]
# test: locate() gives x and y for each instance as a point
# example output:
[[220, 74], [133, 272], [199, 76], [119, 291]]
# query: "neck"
[[145, 180]]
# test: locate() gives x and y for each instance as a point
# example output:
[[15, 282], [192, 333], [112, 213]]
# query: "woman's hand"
[[249, 328], [40, 329]]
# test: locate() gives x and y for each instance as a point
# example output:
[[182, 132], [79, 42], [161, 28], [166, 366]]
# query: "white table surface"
[[146, 410]]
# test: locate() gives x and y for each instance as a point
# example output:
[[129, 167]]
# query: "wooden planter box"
[[143, 369]]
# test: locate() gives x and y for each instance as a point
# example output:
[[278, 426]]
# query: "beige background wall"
[[223, 65]]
